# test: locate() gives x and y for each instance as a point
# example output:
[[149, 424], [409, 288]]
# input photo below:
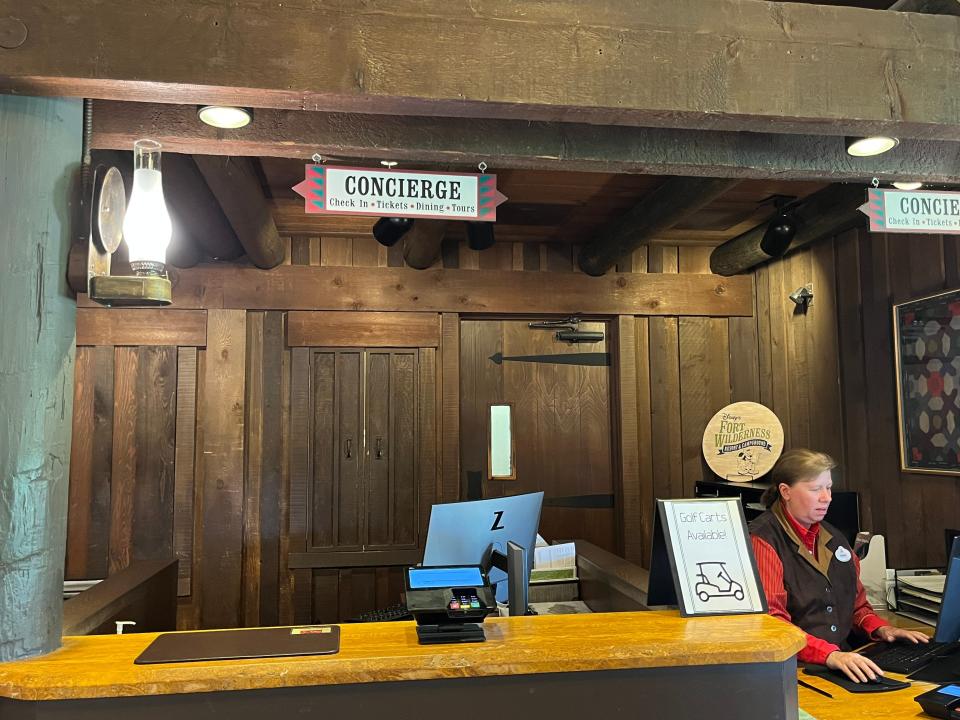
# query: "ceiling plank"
[[662, 209], [666, 63], [826, 213], [932, 7], [523, 145], [234, 183]]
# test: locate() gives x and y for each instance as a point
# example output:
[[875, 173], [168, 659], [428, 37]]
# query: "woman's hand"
[[856, 667], [888, 633]]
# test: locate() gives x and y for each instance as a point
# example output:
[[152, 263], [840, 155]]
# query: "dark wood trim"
[[450, 407], [660, 210], [144, 584], [139, 327], [293, 287], [362, 329], [521, 144], [704, 81], [631, 505], [354, 559]]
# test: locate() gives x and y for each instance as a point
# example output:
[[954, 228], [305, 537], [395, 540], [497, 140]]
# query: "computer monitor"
[[948, 622], [467, 533], [949, 535]]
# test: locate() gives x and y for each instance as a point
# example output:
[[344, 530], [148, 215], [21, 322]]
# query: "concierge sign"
[[913, 211], [395, 193]]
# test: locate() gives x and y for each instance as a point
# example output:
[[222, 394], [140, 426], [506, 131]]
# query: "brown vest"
[[821, 591]]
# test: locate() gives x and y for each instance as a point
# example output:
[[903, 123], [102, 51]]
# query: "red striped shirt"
[[770, 569]]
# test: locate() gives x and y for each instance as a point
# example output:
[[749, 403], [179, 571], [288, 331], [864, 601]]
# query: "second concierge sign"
[[397, 193], [913, 211]]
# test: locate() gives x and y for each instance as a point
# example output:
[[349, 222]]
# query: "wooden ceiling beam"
[[826, 213], [663, 208], [523, 145], [421, 245], [661, 63], [931, 7], [235, 184]]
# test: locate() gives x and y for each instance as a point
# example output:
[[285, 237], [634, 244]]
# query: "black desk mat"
[[242, 644]]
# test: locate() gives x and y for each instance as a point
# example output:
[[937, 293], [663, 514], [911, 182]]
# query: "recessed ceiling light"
[[225, 116], [908, 185], [867, 146]]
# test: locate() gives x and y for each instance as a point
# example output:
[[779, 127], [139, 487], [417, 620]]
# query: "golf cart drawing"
[[714, 581]]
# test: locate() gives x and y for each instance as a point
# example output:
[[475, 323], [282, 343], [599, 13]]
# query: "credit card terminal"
[[942, 702], [448, 603]]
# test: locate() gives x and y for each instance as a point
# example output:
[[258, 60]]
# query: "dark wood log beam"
[[529, 145], [825, 70], [931, 7], [307, 287], [421, 246], [663, 208], [234, 183], [195, 212], [824, 214]]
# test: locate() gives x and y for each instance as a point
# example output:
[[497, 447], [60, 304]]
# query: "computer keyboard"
[[905, 658], [387, 614]]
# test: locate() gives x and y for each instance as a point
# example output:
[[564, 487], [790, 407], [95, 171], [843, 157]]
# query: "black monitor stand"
[[514, 563]]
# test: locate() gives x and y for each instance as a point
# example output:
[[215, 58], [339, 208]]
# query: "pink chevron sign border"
[[373, 192], [912, 211]]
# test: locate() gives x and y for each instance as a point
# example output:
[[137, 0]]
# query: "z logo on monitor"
[[498, 514]]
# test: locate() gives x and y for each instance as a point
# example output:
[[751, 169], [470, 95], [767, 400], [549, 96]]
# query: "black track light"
[[389, 230], [779, 234], [480, 235]]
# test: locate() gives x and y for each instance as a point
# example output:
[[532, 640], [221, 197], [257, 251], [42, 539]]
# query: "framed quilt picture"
[[927, 340]]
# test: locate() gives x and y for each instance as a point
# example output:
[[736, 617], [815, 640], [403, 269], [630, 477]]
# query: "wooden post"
[[421, 246], [663, 208], [826, 213], [39, 161]]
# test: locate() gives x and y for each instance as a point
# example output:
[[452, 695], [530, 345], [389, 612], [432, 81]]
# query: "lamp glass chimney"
[[146, 226]]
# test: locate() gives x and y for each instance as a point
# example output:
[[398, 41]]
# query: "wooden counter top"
[[896, 705], [102, 666]]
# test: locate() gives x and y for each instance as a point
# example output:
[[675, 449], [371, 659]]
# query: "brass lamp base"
[[120, 290]]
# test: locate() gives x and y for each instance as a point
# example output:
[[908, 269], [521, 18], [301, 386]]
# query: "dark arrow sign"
[[596, 359]]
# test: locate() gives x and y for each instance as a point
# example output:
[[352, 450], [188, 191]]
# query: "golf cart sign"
[[912, 211], [394, 193], [713, 569]]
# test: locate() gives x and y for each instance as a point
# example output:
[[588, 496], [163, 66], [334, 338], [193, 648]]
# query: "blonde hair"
[[795, 465]]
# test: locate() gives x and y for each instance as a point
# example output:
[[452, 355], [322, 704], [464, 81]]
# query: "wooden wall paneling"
[[326, 453], [395, 256], [481, 383], [315, 252], [853, 375], [378, 411], [450, 406], [644, 435], [796, 273], [630, 488], [287, 249], [762, 299], [362, 329], [152, 531], [189, 608], [285, 576], [389, 586], [884, 477], [184, 485], [559, 258], [780, 313], [666, 431], [517, 262], [336, 251], [428, 431], [450, 253], [367, 252], [348, 499], [123, 474], [358, 595], [823, 347], [141, 326], [744, 352], [518, 385], [300, 434], [531, 256], [704, 374], [401, 450], [300, 250], [81, 466], [272, 460], [325, 606], [253, 429], [223, 438], [102, 463], [469, 259]]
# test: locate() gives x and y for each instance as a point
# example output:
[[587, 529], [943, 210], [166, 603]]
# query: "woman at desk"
[[809, 573]]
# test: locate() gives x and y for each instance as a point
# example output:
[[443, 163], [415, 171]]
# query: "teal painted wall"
[[39, 159]]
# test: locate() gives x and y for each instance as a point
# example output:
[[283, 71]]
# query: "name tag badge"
[[842, 554]]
